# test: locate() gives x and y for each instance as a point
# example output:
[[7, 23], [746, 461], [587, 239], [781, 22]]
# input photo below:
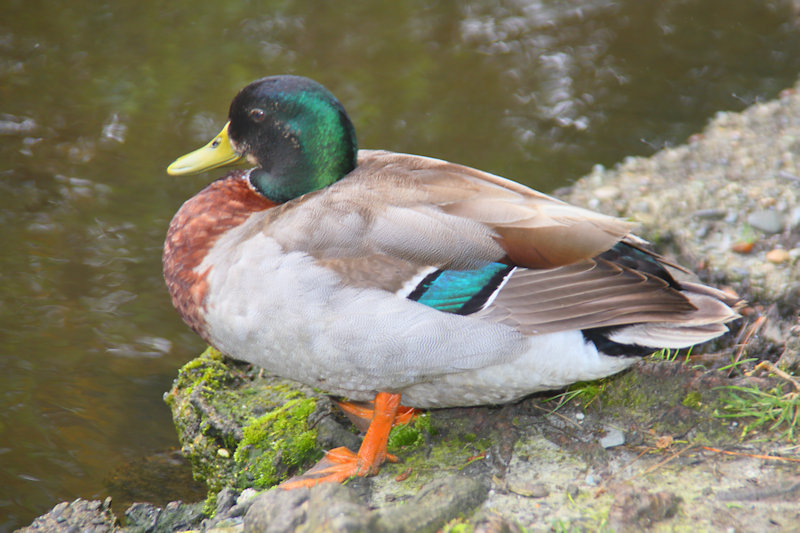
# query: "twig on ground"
[[754, 456], [767, 365]]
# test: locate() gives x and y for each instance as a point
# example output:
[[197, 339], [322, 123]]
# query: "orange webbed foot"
[[337, 466], [361, 413], [340, 464]]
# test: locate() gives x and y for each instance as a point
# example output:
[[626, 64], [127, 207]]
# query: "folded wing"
[[398, 218]]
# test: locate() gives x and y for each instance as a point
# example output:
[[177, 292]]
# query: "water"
[[96, 99]]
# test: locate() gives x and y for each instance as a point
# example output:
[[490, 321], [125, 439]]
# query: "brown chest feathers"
[[224, 204]]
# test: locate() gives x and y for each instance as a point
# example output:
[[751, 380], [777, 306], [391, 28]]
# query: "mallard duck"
[[377, 275]]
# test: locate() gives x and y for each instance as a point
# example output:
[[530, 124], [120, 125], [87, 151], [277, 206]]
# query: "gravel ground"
[[645, 450], [726, 203]]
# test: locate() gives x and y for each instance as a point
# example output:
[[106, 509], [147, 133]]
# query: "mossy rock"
[[239, 429], [276, 443], [242, 430]]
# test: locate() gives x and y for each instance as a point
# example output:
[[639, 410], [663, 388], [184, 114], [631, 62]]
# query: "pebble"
[[777, 256], [613, 437], [529, 489], [573, 490], [246, 495], [743, 247], [768, 221], [79, 515], [606, 192], [711, 214]]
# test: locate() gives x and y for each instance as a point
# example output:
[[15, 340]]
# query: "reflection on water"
[[95, 100]]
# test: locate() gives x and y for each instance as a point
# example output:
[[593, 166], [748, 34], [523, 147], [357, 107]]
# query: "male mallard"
[[376, 275]]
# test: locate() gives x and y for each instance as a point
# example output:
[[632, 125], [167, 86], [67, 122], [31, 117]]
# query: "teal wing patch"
[[462, 292]]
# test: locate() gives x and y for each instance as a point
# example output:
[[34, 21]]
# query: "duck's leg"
[[340, 463], [361, 413]]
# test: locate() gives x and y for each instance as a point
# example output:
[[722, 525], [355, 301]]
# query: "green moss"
[[446, 450], [410, 435], [458, 525], [217, 403], [210, 505], [276, 443], [201, 404], [692, 400], [207, 371]]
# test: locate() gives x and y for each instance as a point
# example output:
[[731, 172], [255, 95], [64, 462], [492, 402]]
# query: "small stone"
[[529, 489], [790, 358], [335, 508], [243, 503], [222, 452], [606, 192], [743, 247], [710, 214], [777, 256], [277, 511], [794, 217], [768, 221], [78, 515], [246, 495], [613, 437], [433, 506], [226, 498]]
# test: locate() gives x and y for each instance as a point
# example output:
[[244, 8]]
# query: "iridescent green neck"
[[296, 132]]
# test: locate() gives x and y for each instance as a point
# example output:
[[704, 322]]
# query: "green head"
[[291, 128]]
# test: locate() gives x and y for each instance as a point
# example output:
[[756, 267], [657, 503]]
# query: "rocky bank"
[[661, 447]]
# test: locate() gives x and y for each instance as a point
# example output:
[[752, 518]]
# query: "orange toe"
[[337, 466], [340, 464], [361, 413], [405, 415]]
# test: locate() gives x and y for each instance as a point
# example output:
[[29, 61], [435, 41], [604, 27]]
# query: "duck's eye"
[[257, 115]]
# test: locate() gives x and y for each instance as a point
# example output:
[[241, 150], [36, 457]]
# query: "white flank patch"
[[409, 286], [499, 288]]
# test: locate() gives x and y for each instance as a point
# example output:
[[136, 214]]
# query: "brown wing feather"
[[438, 213], [534, 230], [397, 215], [593, 293]]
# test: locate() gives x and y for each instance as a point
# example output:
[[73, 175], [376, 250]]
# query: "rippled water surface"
[[97, 98]]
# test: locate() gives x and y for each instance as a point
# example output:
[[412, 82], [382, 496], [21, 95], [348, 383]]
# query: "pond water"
[[96, 98]]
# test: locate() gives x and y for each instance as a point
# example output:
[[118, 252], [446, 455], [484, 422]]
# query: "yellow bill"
[[217, 153]]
